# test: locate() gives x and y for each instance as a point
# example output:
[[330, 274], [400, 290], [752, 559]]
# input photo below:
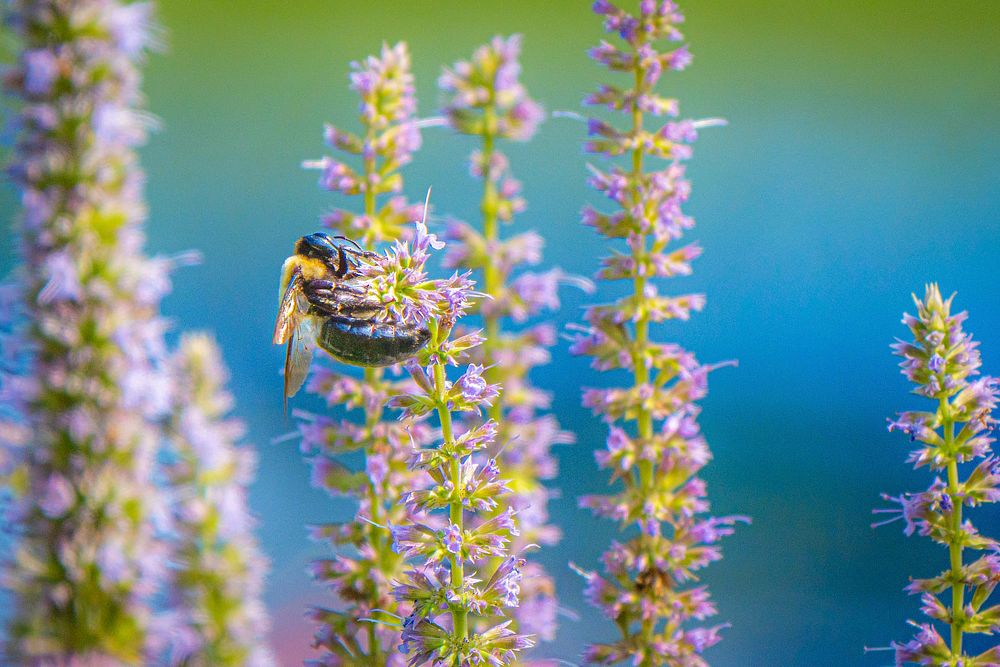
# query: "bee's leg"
[[356, 252], [341, 270], [321, 295], [361, 308], [339, 299], [354, 249], [320, 285]]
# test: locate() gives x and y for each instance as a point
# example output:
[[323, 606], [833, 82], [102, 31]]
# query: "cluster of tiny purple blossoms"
[[464, 576], [943, 361], [485, 98], [646, 588], [217, 617], [362, 580], [372, 159], [85, 382]]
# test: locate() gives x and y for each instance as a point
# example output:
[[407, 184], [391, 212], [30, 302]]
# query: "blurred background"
[[860, 163]]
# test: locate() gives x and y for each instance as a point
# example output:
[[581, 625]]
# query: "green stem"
[[492, 278], [644, 420], [371, 168], [955, 547], [493, 283], [459, 616], [373, 377]]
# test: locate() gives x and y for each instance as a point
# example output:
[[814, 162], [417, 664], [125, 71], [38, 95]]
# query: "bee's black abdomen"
[[371, 344]]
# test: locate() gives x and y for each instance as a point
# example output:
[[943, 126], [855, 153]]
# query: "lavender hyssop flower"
[[654, 446], [364, 567], [943, 362], [87, 561], [217, 616], [485, 98], [87, 388], [463, 571]]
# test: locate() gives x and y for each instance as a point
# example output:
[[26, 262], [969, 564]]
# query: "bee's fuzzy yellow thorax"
[[311, 269]]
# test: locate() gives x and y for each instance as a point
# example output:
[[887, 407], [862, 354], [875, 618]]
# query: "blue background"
[[859, 163]]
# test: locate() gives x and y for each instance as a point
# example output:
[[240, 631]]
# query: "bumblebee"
[[323, 303]]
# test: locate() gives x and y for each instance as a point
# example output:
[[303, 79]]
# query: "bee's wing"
[[298, 355], [290, 309], [294, 328]]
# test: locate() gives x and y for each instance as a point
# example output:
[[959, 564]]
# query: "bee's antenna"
[[427, 203], [351, 241]]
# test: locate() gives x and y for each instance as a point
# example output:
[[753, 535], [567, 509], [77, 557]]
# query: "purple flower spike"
[[368, 166], [389, 137], [136, 543], [656, 458], [486, 95], [219, 564], [82, 385], [942, 360], [485, 98], [473, 541], [385, 85]]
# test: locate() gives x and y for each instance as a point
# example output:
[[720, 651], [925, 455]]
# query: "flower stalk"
[[88, 559], [654, 447], [357, 632], [943, 361], [484, 98], [451, 555], [218, 617]]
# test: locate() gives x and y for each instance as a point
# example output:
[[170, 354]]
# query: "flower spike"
[[943, 361], [463, 567], [654, 446], [368, 165]]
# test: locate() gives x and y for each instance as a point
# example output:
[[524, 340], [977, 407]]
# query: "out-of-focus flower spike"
[[93, 389], [219, 574], [486, 96]]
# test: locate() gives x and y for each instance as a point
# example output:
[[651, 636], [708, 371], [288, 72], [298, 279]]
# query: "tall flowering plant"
[[485, 99], [217, 615], [654, 446], [362, 571], [943, 361], [87, 560], [463, 571]]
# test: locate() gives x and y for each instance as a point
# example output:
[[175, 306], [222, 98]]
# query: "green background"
[[860, 162]]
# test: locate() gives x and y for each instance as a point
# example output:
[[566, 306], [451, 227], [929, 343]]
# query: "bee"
[[323, 303]]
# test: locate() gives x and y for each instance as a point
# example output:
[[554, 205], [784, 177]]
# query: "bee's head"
[[316, 246]]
